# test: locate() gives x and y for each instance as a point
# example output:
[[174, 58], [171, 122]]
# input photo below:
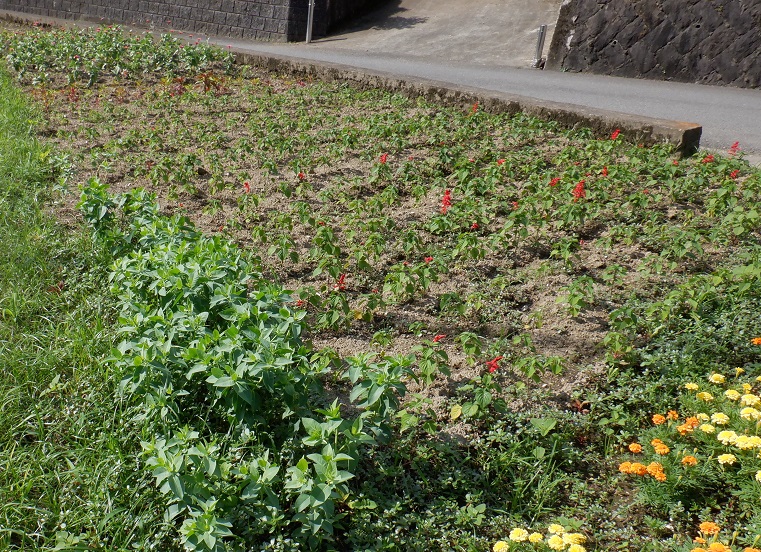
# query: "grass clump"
[[64, 454]]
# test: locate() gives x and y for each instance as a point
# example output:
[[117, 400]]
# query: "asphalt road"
[[726, 114]]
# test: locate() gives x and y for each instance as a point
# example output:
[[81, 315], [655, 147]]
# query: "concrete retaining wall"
[[273, 20], [705, 41]]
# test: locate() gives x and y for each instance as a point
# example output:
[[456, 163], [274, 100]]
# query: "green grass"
[[64, 459]]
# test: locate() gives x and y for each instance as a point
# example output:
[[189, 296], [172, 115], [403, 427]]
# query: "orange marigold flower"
[[699, 540], [751, 549], [718, 547], [658, 419], [625, 467], [698, 550], [672, 415], [689, 461], [756, 341], [656, 470], [688, 426], [709, 528], [638, 469], [636, 448], [663, 450]]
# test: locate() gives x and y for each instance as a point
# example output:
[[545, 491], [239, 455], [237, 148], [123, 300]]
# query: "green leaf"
[[544, 425]]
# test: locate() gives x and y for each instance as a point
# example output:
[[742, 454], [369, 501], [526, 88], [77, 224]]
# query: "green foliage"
[[86, 54]]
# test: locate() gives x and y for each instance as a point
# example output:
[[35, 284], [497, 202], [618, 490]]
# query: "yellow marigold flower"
[[556, 542], [707, 428], [758, 476], [739, 371], [689, 461], [709, 528], [574, 538], [747, 387], [751, 414], [727, 437], [756, 341], [750, 399], [556, 528], [743, 442], [636, 448], [716, 378], [658, 419], [726, 459], [691, 386], [702, 417], [501, 546], [704, 396], [576, 548], [672, 415], [731, 394], [535, 537], [518, 535], [719, 418]]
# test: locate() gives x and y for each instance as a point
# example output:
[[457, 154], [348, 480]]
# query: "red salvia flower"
[[474, 226], [579, 192], [383, 158], [493, 364], [446, 202], [515, 204], [475, 107], [615, 134], [734, 174], [428, 259], [247, 187], [555, 181], [302, 176], [734, 148], [439, 337], [708, 159], [500, 162], [605, 171], [340, 283], [675, 163]]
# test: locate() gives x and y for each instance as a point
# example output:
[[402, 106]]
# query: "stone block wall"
[[272, 20], [705, 41]]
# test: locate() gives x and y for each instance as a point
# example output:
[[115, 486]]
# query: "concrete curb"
[[638, 129]]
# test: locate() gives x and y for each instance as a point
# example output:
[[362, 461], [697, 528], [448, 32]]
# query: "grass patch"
[[64, 456]]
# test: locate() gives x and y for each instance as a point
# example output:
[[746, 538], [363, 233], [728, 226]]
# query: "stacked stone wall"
[[271, 20], [705, 41]]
